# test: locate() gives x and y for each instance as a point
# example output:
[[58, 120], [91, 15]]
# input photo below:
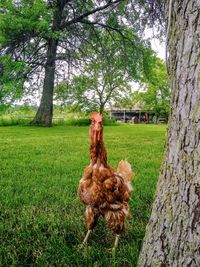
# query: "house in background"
[[132, 115], [136, 115]]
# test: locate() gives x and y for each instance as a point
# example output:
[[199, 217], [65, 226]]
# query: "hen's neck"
[[98, 154]]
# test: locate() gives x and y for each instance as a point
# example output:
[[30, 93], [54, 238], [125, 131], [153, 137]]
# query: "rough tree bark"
[[173, 233]]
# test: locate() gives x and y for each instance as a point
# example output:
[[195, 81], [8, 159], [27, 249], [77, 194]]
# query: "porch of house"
[[133, 116]]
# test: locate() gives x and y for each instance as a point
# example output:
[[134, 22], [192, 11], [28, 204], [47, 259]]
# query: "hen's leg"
[[115, 221], [91, 217], [87, 237], [115, 244], [116, 241]]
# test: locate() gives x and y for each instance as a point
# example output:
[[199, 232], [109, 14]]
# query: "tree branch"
[[103, 26], [81, 17]]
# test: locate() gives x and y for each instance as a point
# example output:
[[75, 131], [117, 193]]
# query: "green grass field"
[[41, 217]]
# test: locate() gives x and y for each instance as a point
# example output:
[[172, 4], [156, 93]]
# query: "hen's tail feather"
[[125, 171]]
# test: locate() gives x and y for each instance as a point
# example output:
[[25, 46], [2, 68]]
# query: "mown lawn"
[[41, 217]]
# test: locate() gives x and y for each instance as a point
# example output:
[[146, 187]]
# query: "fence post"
[[139, 116]]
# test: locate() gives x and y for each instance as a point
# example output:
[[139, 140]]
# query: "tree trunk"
[[44, 114], [101, 108], [45, 111], [173, 233]]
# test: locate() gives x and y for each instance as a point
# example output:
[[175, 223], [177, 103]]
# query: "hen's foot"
[[81, 246], [113, 250]]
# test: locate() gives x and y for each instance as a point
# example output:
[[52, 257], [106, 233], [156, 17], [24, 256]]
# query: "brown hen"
[[103, 190]]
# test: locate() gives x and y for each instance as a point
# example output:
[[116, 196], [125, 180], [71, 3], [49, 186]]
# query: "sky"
[[159, 48]]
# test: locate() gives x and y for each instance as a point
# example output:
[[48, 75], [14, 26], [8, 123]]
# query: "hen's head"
[[96, 127]]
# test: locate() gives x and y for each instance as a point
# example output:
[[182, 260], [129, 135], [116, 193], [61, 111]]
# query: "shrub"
[[10, 121], [109, 122], [78, 122]]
